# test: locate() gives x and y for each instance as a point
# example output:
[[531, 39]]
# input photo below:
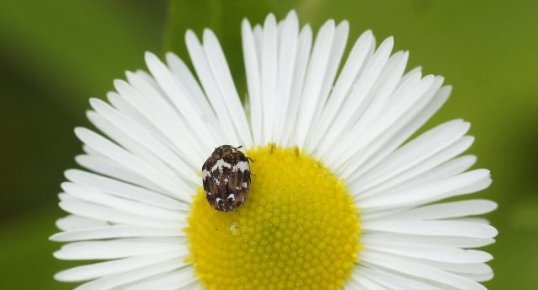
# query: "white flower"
[[338, 198]]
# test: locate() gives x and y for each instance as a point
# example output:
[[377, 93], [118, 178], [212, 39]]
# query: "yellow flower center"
[[298, 229]]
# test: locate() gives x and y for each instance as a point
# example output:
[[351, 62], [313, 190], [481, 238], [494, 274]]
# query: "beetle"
[[226, 178]]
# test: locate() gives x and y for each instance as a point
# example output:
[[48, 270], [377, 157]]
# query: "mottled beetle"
[[226, 178]]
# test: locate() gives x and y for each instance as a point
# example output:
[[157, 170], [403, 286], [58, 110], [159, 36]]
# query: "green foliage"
[[54, 55]]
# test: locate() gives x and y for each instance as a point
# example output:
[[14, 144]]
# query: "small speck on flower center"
[[298, 229]]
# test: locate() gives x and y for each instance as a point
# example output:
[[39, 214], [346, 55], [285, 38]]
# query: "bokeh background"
[[56, 54]]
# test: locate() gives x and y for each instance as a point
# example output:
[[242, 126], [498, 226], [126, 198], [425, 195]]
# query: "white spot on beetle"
[[220, 164], [242, 166]]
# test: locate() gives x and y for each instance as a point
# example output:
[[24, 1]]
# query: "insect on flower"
[[226, 178]]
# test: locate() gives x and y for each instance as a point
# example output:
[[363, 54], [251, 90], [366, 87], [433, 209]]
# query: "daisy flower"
[[341, 196]]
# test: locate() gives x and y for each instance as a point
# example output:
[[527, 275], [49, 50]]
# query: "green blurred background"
[[56, 54]]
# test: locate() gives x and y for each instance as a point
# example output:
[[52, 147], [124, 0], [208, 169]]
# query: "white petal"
[[94, 195], [113, 281], [381, 96], [427, 171], [360, 137], [362, 48], [398, 238], [433, 228], [448, 210], [404, 127], [177, 279], [287, 56], [447, 170], [124, 190], [442, 172], [252, 67], [428, 147], [225, 85], [356, 104], [74, 222], [182, 100], [359, 282], [207, 79], [301, 64], [183, 74], [128, 144], [97, 270], [268, 71], [103, 165], [419, 271], [107, 214], [464, 269], [115, 232], [121, 248], [393, 280], [430, 252], [172, 186], [317, 70], [140, 141], [163, 120], [464, 183], [333, 63]]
